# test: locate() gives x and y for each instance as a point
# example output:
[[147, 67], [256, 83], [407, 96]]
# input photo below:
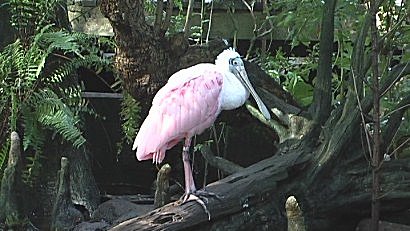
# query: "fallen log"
[[239, 192], [249, 195]]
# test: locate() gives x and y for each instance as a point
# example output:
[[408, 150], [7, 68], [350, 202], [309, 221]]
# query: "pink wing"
[[187, 105]]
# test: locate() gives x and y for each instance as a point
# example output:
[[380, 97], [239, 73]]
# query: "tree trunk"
[[145, 57], [6, 30]]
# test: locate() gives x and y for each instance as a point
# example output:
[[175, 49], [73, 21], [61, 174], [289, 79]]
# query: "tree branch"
[[375, 155], [322, 94], [272, 101], [344, 129], [167, 20], [187, 26], [220, 163], [393, 124], [261, 190], [158, 16]]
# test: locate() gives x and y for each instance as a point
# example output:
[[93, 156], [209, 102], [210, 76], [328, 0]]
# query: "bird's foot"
[[200, 196]]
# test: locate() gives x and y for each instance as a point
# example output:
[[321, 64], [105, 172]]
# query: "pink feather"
[[187, 105]]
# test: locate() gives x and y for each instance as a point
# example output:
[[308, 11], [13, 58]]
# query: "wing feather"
[[187, 105]]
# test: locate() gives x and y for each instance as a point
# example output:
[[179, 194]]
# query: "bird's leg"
[[190, 189], [189, 179]]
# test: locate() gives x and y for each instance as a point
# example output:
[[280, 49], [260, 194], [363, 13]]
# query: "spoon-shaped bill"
[[240, 72]]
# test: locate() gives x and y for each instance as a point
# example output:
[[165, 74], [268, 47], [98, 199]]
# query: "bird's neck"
[[233, 94]]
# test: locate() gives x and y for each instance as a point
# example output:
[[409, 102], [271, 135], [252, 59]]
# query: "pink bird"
[[188, 104]]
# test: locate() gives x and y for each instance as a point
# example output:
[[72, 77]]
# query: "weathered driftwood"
[[138, 199], [263, 187], [220, 163], [239, 192], [12, 190], [364, 225]]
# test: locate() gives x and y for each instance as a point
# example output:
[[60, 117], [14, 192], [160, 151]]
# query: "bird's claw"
[[201, 201], [203, 193], [200, 196]]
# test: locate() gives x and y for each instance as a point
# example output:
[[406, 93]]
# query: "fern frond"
[[32, 15], [4, 153], [32, 169], [23, 13], [130, 116], [34, 134], [54, 113], [58, 41], [90, 61]]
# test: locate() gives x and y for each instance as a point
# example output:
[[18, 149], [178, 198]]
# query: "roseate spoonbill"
[[188, 104]]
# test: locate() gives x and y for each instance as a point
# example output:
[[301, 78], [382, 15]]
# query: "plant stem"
[[187, 27], [376, 117], [14, 112]]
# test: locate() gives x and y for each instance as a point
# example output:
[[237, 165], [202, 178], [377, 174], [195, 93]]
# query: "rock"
[[364, 225], [113, 209], [92, 226], [141, 210]]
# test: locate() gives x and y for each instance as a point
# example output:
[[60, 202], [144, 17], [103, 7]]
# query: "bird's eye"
[[234, 62]]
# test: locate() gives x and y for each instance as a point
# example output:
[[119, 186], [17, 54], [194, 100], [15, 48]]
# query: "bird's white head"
[[222, 60], [230, 60]]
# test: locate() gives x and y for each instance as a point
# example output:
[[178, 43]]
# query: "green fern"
[[4, 150], [130, 116], [30, 16], [39, 92], [54, 113], [33, 168]]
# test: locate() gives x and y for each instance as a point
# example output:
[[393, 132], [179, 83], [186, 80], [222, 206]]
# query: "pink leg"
[[191, 194], [189, 179]]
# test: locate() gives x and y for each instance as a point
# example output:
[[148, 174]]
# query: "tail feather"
[[148, 141]]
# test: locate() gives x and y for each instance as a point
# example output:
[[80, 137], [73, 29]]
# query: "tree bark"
[[255, 198], [141, 60], [322, 93]]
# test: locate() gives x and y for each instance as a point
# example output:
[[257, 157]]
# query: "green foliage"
[[4, 150], [130, 116], [389, 104], [39, 91], [34, 96], [33, 168], [301, 20], [177, 20], [292, 74]]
